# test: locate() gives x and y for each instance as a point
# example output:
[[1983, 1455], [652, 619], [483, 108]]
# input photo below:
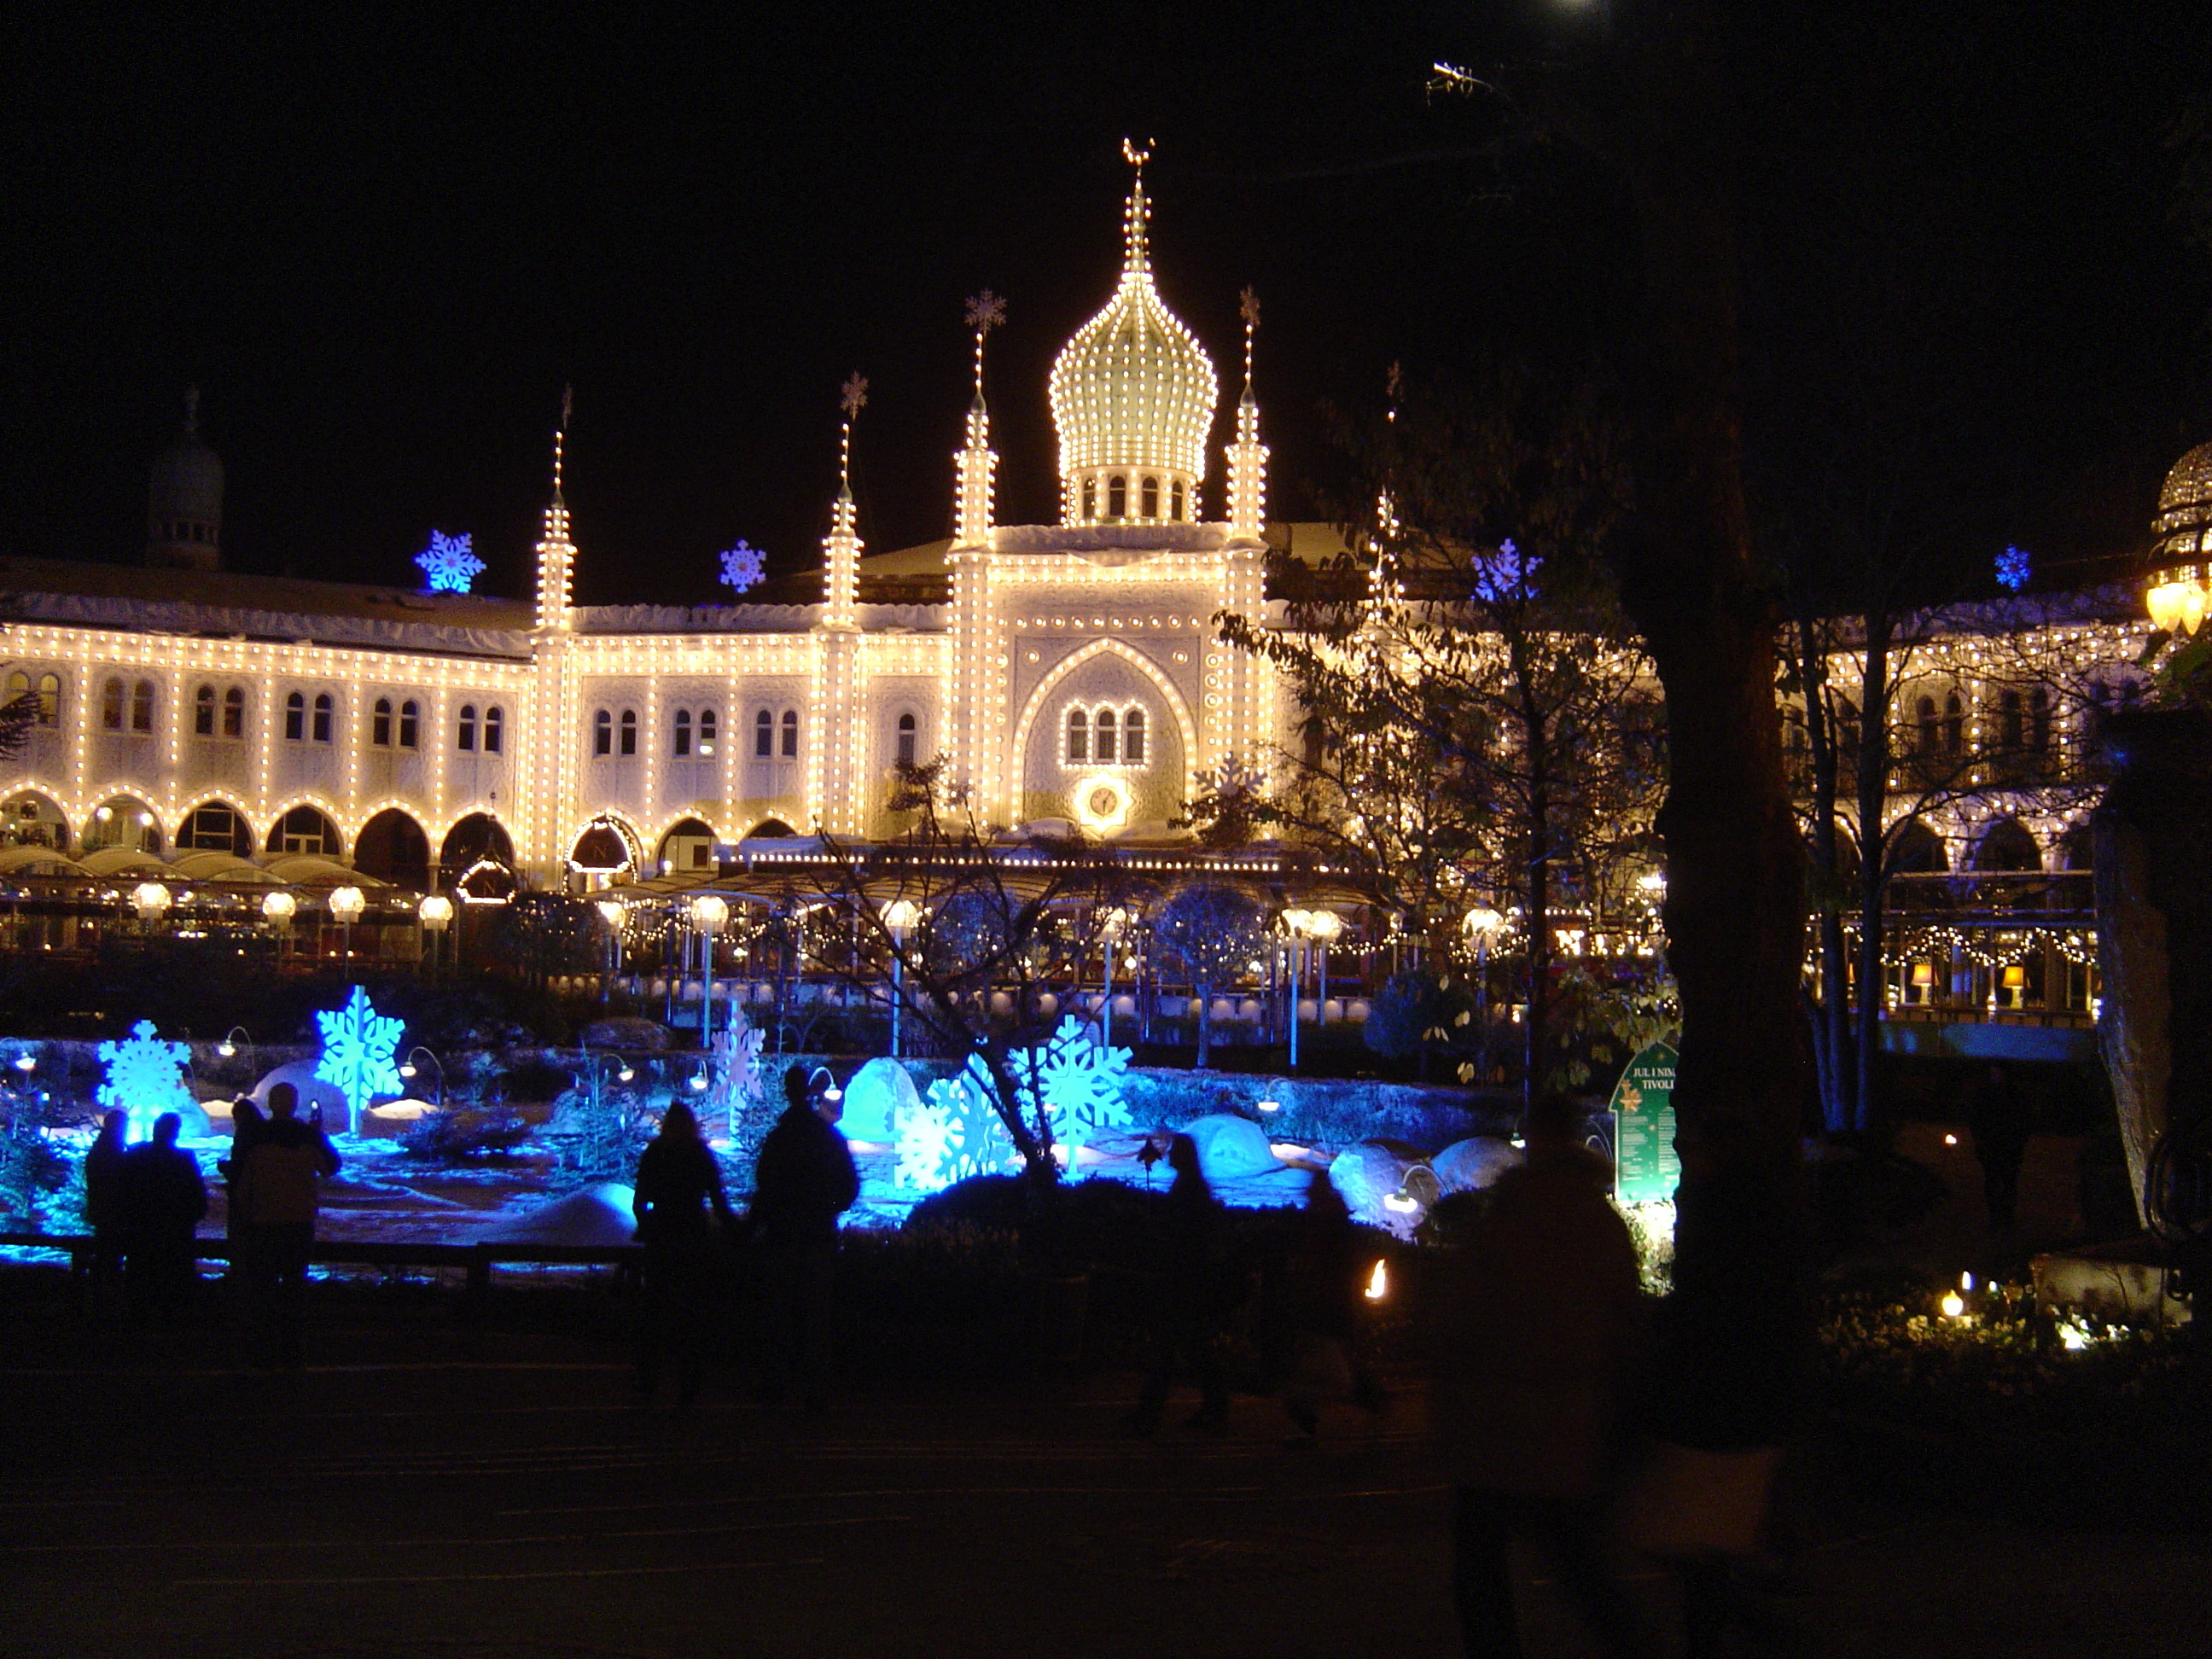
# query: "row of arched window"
[[1109, 736], [49, 689], [1120, 487]]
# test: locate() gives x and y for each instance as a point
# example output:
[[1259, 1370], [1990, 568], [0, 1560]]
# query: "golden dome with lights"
[[2181, 554], [1133, 397]]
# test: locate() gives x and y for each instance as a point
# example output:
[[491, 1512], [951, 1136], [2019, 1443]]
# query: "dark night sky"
[[381, 239]]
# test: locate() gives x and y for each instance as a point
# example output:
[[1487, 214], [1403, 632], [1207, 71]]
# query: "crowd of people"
[[1566, 1419]]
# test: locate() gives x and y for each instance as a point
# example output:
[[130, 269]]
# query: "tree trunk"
[[1205, 1026], [1873, 865]]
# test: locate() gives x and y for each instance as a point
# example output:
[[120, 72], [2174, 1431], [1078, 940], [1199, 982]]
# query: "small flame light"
[[1378, 1282]]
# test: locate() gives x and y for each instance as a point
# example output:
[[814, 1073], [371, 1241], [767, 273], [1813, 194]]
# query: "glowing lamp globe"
[[280, 909], [613, 912], [436, 912], [151, 900], [1324, 924], [710, 912], [346, 904], [900, 915], [1482, 922]]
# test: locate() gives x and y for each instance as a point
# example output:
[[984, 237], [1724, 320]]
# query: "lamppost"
[[614, 913], [228, 1047], [151, 900], [1296, 924], [899, 918], [346, 905], [1324, 925], [279, 908], [1110, 927], [407, 1069], [435, 913], [710, 912], [1482, 925]]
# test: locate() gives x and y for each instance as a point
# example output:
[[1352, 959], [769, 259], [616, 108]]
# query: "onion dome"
[[2181, 548], [184, 499], [1132, 396]]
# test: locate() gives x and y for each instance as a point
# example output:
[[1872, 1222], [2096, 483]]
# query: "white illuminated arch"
[[1184, 726]]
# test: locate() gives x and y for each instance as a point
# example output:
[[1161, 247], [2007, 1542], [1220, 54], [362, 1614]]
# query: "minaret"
[[841, 546], [969, 562], [546, 814], [184, 499], [1244, 558]]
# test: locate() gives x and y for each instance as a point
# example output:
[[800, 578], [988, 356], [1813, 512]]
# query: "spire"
[[1136, 260], [842, 590], [974, 466], [1247, 456], [557, 554]]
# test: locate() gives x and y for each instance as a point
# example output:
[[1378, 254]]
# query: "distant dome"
[[1132, 396], [2182, 528]]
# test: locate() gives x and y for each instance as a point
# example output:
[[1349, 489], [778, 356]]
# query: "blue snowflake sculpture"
[[742, 566], [1507, 576], [958, 1132], [447, 564], [1079, 1080], [358, 1045], [2014, 567], [145, 1078]]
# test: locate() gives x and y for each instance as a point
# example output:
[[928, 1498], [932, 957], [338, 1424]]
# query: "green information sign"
[[1645, 1168]]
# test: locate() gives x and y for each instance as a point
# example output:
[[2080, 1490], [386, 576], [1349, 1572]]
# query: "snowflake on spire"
[[358, 1045], [145, 1078], [448, 565], [742, 566], [852, 396], [2013, 568]]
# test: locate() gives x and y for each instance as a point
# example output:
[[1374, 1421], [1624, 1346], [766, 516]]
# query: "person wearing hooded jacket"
[[803, 1180]]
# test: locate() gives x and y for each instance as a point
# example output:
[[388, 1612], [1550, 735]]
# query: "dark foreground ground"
[[426, 1488]]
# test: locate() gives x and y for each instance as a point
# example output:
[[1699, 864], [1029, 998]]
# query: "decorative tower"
[[1244, 559], [1132, 396], [978, 683], [836, 754], [184, 500], [552, 765]]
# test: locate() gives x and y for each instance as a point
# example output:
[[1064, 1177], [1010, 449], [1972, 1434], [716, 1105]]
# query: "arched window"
[[464, 733], [1954, 725], [680, 744], [1117, 497], [603, 732], [763, 734], [1175, 501], [323, 709], [495, 735], [1102, 746], [295, 718], [1132, 737], [2013, 722], [1151, 497], [791, 734], [627, 745], [707, 725], [141, 706], [1090, 498], [50, 698], [410, 724], [380, 723], [110, 706], [1078, 736], [204, 712], [234, 713], [906, 739]]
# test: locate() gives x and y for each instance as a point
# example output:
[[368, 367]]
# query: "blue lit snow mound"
[[313, 1092], [596, 1215], [1383, 1186], [1231, 1148], [1471, 1165], [878, 1093]]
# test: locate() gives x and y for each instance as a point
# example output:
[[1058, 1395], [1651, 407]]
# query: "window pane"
[[1132, 737], [110, 706], [763, 733], [1104, 748], [142, 706], [790, 734], [1078, 736], [494, 720], [323, 707]]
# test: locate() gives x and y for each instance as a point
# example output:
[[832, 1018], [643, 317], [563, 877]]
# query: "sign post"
[[1646, 1168]]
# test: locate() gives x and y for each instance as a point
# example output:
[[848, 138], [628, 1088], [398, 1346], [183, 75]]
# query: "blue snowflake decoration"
[[742, 566], [358, 1045], [1079, 1080], [1507, 576], [447, 564], [145, 1078], [958, 1132], [2014, 567]]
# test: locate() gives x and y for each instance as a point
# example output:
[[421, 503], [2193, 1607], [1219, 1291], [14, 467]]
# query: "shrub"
[[460, 1132]]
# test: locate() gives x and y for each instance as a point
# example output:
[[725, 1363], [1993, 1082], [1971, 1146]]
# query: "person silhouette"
[[1189, 1309], [677, 1180], [103, 1200], [803, 1180], [1538, 1322], [283, 1169], [164, 1196], [2002, 1121], [248, 1120]]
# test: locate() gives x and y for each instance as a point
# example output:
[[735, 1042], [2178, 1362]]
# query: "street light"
[[435, 913], [151, 900], [614, 913], [346, 905], [279, 908], [709, 913], [1298, 924], [1110, 927], [899, 918], [407, 1069]]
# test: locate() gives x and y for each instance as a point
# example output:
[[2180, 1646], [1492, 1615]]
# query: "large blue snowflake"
[[358, 1045], [958, 1130], [742, 566], [447, 564], [1079, 1080], [2013, 568], [145, 1078]]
